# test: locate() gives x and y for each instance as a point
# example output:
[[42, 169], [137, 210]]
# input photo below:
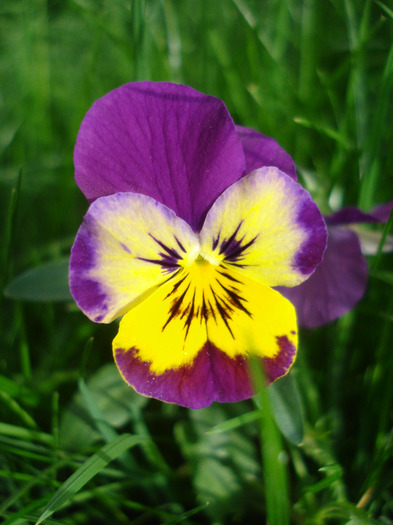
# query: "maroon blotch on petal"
[[279, 365], [213, 376]]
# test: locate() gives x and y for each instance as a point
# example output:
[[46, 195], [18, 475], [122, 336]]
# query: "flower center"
[[204, 258]]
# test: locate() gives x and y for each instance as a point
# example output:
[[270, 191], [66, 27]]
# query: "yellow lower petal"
[[204, 302]]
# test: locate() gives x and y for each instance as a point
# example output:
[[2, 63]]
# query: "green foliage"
[[48, 282], [79, 447]]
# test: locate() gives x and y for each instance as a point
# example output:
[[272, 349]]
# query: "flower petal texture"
[[128, 244], [207, 321], [267, 227], [260, 151], [163, 140]]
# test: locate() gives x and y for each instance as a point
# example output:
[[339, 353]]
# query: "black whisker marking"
[[236, 298], [170, 251], [175, 307], [180, 245], [229, 277], [226, 243]]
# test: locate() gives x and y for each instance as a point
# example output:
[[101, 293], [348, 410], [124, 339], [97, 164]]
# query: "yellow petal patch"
[[205, 302]]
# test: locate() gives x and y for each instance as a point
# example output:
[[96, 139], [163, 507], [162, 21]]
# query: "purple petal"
[[261, 151], [163, 140], [382, 211], [351, 214], [337, 284]]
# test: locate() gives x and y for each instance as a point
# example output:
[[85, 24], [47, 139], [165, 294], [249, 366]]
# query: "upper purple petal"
[[337, 284], [163, 140], [351, 214], [261, 151]]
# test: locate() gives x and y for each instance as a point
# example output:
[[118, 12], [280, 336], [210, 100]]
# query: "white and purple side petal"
[[267, 227], [163, 140], [126, 246]]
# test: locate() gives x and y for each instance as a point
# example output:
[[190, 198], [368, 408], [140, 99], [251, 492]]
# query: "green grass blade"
[[9, 234], [273, 456], [385, 233], [87, 471], [24, 433], [286, 408], [236, 422]]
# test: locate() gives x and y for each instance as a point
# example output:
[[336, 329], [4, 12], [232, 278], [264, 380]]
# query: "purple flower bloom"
[[192, 222], [340, 280]]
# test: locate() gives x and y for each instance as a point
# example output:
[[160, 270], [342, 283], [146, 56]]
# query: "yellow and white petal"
[[267, 227], [127, 245], [189, 341]]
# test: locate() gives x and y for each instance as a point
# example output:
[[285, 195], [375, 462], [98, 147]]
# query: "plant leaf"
[[286, 408], [48, 282]]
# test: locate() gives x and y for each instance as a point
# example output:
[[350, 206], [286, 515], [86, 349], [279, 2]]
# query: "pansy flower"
[[192, 222], [340, 280]]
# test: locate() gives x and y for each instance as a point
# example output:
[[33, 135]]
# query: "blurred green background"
[[315, 75]]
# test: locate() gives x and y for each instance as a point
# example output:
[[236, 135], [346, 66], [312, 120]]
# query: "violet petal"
[[351, 214], [163, 140], [337, 284], [261, 151]]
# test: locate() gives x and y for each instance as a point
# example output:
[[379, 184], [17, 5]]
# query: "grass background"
[[74, 440]]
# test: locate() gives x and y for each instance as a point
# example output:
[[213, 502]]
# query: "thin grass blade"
[[87, 471]]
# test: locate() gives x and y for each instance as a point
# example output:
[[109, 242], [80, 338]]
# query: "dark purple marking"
[[180, 245], [216, 241], [168, 259], [227, 298], [226, 243], [175, 307], [125, 248], [233, 248], [236, 299]]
